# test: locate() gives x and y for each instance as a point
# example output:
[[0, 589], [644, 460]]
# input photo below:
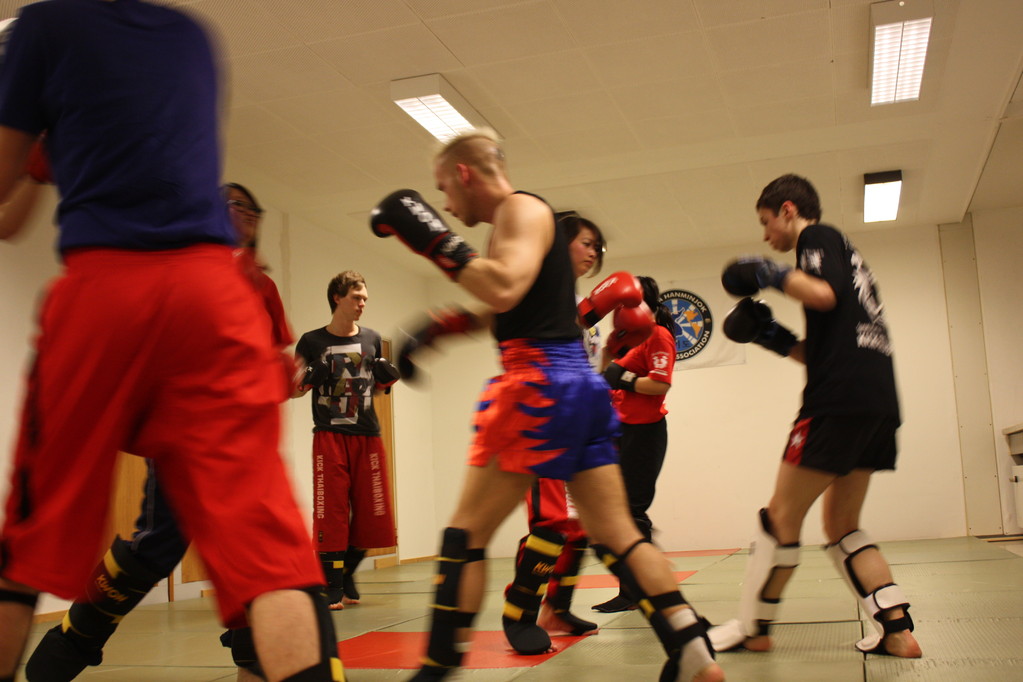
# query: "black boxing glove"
[[747, 275], [751, 321], [359, 385], [316, 374], [384, 373], [455, 320], [405, 214], [617, 377]]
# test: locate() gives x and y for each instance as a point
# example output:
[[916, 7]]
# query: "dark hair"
[[792, 188], [571, 222], [651, 296], [341, 285], [252, 200]]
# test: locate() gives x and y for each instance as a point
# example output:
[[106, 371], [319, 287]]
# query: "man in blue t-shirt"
[[152, 341]]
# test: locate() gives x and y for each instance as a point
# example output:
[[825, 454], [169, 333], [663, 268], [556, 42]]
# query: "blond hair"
[[479, 148]]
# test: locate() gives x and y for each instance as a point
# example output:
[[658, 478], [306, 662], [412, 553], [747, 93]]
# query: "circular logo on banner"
[[692, 319]]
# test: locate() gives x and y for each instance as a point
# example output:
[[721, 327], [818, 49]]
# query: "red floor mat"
[[404, 649], [609, 580], [703, 552]]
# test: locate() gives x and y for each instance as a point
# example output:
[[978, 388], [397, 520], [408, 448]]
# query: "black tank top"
[[547, 311]]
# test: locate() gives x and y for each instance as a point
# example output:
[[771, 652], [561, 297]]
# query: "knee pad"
[[674, 631], [442, 651], [19, 597], [329, 666], [757, 612], [875, 602]]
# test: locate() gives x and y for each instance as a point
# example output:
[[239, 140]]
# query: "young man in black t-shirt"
[[845, 429], [351, 491]]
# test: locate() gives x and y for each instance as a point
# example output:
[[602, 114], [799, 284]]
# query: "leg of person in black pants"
[[642, 448]]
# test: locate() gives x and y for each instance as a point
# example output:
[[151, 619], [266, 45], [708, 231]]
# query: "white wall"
[[727, 425], [998, 237]]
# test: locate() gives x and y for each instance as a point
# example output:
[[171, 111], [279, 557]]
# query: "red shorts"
[[165, 355], [351, 493], [548, 505]]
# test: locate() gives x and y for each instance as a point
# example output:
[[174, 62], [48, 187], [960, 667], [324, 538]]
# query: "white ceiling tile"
[[388, 54], [789, 117], [583, 146], [281, 73], [536, 77], [333, 110], [723, 12], [502, 34], [774, 83], [798, 37], [565, 113], [317, 20], [660, 100], [434, 9], [596, 22], [251, 125], [688, 126], [659, 58]]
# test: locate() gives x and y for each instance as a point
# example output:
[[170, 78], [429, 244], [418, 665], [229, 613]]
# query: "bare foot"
[[556, 624], [347, 601], [902, 644], [336, 606], [758, 643], [712, 673]]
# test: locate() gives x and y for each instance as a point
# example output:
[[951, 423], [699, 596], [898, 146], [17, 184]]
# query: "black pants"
[[641, 448]]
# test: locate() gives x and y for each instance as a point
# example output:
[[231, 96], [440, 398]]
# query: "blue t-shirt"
[[127, 94]]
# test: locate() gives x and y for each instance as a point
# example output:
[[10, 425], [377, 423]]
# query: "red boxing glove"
[[454, 320], [38, 165], [619, 289], [632, 326]]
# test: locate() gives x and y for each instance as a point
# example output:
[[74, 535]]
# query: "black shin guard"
[[333, 564], [353, 557], [562, 587], [523, 597], [329, 668], [116, 587], [443, 654], [653, 607]]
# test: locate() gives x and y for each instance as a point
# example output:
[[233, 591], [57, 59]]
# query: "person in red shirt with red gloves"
[[640, 378]]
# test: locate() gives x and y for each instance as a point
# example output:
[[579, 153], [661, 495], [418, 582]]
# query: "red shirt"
[[654, 358]]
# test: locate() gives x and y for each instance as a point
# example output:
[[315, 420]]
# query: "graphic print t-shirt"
[[848, 352], [344, 402]]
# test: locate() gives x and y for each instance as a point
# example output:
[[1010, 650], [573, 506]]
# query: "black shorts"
[[839, 444]]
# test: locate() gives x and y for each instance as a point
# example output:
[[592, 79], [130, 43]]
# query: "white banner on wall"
[[699, 307]]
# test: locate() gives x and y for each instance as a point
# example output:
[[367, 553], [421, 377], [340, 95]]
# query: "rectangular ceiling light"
[[881, 193], [901, 30], [436, 105]]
